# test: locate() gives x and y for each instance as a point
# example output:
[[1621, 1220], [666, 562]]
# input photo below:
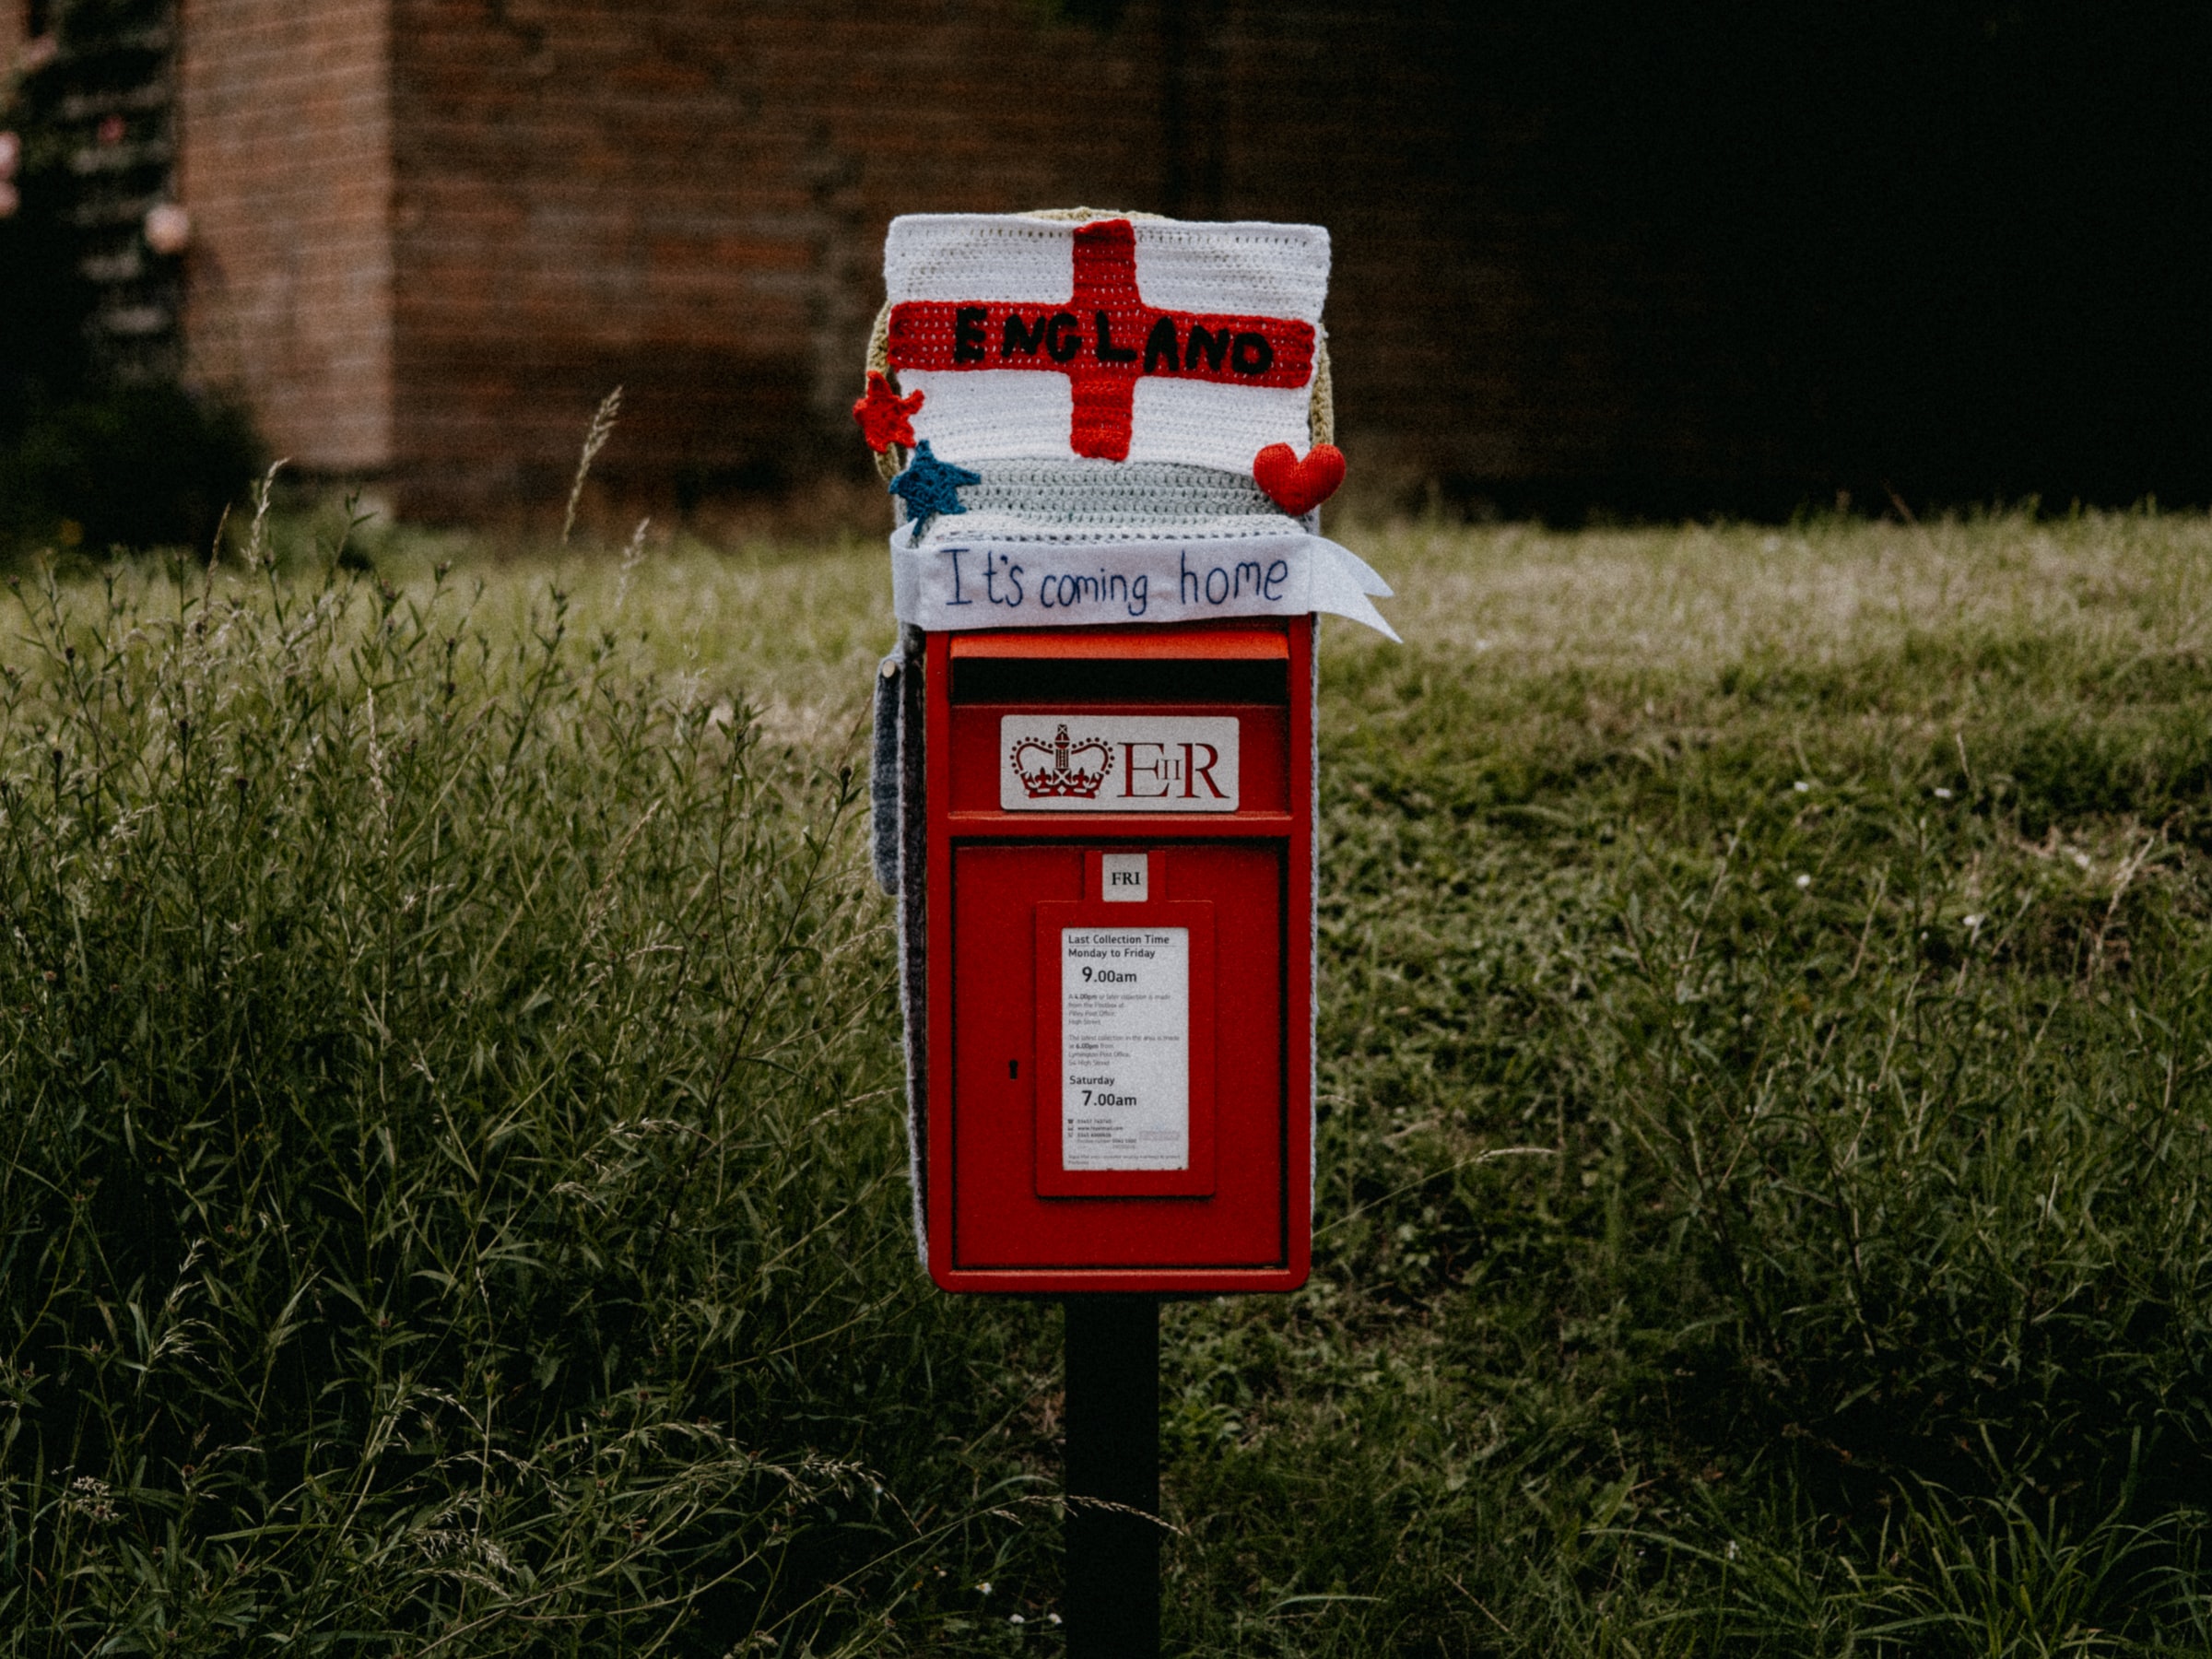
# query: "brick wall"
[[1628, 253], [285, 119], [688, 198]]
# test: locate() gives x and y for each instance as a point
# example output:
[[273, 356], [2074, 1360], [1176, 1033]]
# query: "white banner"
[[948, 585]]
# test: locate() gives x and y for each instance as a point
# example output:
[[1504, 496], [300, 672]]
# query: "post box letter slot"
[[984, 679], [1125, 1085]]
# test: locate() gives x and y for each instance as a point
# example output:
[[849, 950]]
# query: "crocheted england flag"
[[1113, 340]]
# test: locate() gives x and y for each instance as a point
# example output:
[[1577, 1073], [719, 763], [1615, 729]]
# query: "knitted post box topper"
[[1088, 418], [1075, 405]]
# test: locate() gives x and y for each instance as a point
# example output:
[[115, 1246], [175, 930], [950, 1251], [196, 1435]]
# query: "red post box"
[[1094, 765], [1119, 947]]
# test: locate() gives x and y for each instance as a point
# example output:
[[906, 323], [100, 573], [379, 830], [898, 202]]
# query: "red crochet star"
[[885, 417]]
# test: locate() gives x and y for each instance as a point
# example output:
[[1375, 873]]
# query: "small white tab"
[[1123, 876]]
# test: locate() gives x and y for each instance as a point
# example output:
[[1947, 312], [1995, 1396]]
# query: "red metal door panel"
[[1000, 1223]]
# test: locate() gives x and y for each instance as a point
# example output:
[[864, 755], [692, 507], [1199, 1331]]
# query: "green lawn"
[[453, 1202]]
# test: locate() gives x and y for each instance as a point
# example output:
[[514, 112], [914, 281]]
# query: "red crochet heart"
[[1298, 487]]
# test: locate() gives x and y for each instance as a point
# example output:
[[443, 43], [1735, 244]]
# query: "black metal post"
[[1113, 1477]]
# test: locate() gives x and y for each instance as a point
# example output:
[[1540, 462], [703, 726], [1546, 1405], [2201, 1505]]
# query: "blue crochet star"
[[930, 487]]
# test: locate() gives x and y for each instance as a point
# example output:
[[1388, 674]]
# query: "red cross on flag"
[[1112, 339]]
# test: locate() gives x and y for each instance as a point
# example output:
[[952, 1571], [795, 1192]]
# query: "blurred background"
[[1593, 260]]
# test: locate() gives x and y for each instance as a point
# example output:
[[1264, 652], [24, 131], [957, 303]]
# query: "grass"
[[450, 1184], [1830, 908]]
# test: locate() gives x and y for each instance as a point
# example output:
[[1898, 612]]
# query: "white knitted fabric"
[[977, 415], [1080, 501]]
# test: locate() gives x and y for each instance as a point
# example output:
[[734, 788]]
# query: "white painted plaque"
[[1126, 1048], [1078, 762]]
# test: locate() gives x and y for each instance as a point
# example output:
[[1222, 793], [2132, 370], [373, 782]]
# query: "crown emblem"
[[1061, 768]]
